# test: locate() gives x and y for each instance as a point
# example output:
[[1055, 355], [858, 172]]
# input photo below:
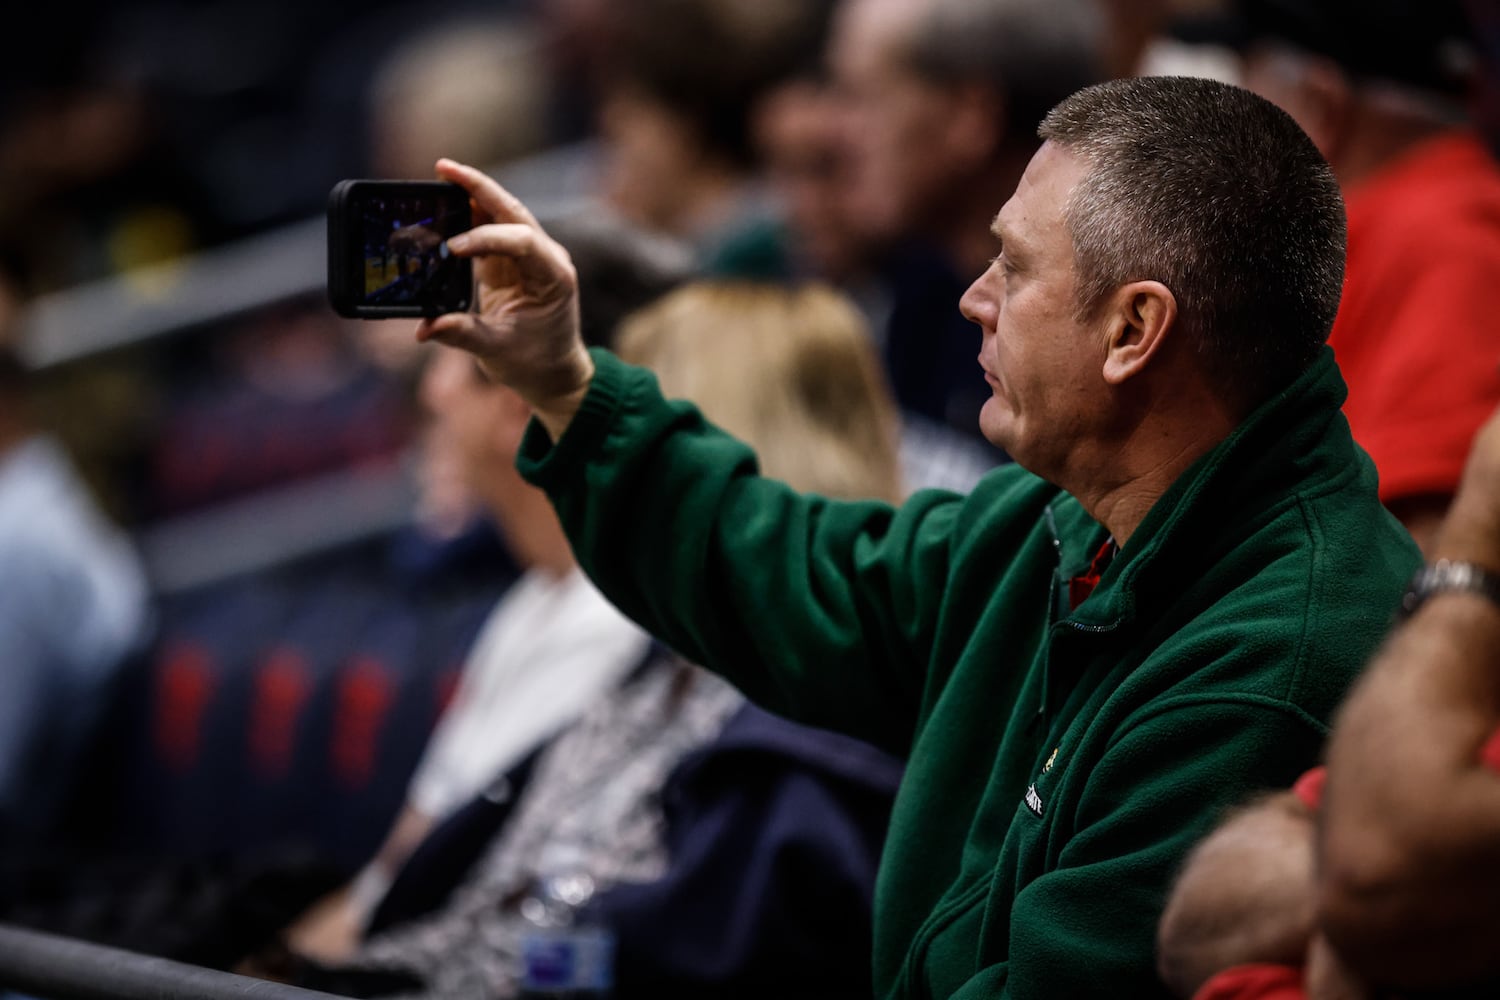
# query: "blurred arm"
[[1244, 896], [330, 930], [1409, 885]]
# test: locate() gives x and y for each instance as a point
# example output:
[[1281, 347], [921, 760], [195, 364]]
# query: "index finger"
[[500, 204]]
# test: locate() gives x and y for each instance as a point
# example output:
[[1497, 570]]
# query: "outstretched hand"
[[525, 331]]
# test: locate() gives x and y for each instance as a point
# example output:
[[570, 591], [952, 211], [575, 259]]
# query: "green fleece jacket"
[[1060, 761]]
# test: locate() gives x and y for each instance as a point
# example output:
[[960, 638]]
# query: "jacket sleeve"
[[1157, 791], [669, 517]]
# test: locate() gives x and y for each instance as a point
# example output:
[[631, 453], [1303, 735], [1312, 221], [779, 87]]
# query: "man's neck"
[[1150, 457], [1121, 508]]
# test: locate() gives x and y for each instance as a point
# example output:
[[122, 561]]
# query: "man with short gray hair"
[[1149, 614]]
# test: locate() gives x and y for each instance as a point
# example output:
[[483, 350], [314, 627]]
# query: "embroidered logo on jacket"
[[1033, 800]]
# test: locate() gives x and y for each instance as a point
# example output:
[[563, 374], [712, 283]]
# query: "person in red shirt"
[[1385, 89], [1391, 881]]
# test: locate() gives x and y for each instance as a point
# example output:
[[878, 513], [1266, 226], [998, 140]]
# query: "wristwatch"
[[1449, 574]]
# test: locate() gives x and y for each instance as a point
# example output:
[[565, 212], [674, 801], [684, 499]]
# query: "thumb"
[[461, 330]]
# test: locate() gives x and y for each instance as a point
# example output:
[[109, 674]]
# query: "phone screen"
[[405, 244], [388, 250]]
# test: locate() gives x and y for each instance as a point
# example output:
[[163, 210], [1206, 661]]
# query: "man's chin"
[[996, 425]]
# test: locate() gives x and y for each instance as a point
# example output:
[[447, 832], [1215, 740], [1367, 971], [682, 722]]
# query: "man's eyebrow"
[[1009, 242]]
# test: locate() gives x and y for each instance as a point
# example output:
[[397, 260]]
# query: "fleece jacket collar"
[[1245, 471]]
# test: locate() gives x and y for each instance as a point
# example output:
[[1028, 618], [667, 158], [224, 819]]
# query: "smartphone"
[[388, 249]]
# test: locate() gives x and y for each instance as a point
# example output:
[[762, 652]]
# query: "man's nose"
[[975, 305]]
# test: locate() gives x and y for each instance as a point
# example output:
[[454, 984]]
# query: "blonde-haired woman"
[[791, 371], [730, 852]]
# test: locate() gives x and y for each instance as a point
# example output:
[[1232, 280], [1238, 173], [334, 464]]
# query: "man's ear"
[[1140, 317]]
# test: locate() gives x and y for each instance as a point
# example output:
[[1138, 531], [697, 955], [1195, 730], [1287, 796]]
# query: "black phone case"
[[338, 272]]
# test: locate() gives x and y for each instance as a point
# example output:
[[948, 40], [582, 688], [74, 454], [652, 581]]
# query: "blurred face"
[[801, 137], [1043, 366], [650, 161], [895, 124], [468, 417]]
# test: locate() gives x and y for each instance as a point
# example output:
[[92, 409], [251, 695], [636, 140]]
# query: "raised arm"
[[820, 610]]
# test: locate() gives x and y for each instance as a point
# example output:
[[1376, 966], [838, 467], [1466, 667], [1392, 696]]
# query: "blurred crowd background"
[[313, 573]]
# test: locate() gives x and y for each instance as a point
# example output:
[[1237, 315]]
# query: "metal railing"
[[58, 968], [86, 320]]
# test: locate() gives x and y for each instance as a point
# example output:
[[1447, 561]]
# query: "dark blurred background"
[[131, 132]]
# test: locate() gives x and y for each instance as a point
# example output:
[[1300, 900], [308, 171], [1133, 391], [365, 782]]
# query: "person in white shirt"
[[553, 645]]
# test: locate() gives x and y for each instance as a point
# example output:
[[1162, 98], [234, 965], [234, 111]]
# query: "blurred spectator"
[[75, 609], [1172, 38], [817, 381], [472, 87], [548, 649], [800, 136], [276, 731], [681, 84], [732, 852], [945, 98], [1384, 89]]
